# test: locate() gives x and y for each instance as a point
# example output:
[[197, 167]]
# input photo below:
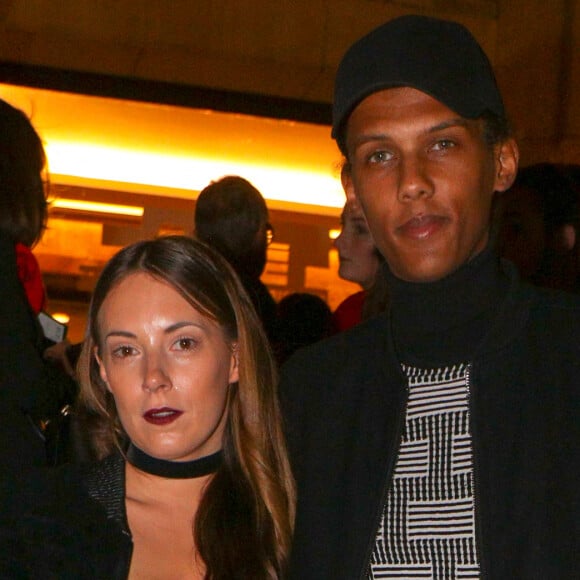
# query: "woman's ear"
[[507, 157], [234, 364], [102, 370]]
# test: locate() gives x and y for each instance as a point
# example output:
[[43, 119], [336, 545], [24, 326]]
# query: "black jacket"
[[344, 402], [32, 390], [66, 524]]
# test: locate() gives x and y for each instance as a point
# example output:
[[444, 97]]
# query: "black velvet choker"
[[174, 469]]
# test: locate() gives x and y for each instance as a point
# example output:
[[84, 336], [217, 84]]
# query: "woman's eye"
[[185, 344], [123, 351]]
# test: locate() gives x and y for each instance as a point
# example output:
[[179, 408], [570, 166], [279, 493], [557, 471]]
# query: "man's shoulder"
[[336, 365], [546, 320], [348, 345], [553, 305]]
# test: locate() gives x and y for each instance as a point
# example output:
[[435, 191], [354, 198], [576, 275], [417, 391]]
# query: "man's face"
[[425, 178]]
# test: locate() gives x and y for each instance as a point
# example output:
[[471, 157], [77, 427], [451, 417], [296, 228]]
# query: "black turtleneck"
[[441, 323]]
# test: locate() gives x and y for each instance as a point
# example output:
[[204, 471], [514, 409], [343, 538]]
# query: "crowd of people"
[[428, 428]]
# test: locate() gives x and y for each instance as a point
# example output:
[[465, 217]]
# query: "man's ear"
[[507, 157], [347, 184]]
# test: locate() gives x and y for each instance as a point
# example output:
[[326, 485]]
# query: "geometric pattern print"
[[427, 529]]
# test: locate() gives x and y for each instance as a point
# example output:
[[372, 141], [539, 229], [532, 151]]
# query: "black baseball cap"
[[438, 57]]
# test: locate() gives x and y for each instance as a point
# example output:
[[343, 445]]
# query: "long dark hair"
[[244, 522], [23, 205]]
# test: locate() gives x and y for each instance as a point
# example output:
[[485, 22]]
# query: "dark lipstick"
[[162, 416]]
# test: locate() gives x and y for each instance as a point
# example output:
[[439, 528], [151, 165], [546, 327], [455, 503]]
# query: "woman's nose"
[[156, 377]]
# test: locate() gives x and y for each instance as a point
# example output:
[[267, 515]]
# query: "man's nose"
[[414, 179]]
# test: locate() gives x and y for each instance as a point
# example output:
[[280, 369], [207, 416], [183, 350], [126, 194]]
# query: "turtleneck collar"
[[442, 322]]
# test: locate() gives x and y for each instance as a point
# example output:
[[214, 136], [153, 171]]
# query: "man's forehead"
[[404, 96], [417, 110]]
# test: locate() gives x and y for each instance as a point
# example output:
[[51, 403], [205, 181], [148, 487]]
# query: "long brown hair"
[[244, 523]]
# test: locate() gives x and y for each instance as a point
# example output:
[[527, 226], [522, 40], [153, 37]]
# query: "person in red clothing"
[[359, 262], [32, 390], [30, 277]]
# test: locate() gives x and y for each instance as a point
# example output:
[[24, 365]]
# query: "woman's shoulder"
[[104, 482], [51, 527]]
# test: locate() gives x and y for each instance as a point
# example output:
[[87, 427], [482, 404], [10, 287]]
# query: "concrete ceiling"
[[288, 48], [252, 52]]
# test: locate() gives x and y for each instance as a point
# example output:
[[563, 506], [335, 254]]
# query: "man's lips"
[[162, 416], [422, 226]]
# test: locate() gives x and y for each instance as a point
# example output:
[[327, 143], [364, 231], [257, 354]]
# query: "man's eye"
[[443, 145], [380, 157]]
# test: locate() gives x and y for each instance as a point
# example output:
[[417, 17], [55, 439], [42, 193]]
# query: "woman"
[[360, 262], [195, 482]]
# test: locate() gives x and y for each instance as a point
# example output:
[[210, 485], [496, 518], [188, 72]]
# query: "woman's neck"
[[145, 487], [161, 513]]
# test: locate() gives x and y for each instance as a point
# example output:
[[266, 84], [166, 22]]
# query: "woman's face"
[[356, 249], [168, 367]]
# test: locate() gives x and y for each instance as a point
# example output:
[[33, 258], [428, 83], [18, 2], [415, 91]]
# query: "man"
[[439, 440], [232, 217]]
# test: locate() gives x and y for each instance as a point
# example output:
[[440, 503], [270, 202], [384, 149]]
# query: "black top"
[[66, 523], [263, 302], [441, 323], [344, 402]]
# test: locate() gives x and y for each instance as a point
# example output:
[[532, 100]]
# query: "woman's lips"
[[422, 227], [162, 416]]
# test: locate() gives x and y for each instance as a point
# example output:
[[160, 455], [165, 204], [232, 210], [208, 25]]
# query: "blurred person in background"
[[231, 216], [304, 319], [538, 225], [359, 262], [32, 390]]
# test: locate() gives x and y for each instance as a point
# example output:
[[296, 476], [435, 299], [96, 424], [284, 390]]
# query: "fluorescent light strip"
[[92, 206], [191, 173]]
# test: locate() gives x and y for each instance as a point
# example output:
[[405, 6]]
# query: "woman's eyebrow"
[[183, 324], [122, 333]]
